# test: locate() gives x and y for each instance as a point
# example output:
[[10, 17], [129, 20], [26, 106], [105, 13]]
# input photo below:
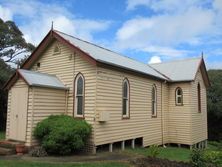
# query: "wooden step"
[[7, 151]]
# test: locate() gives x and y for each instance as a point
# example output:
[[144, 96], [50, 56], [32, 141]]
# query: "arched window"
[[179, 96], [79, 95], [125, 111], [154, 101], [199, 97]]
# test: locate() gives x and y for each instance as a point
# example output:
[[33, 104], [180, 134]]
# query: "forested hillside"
[[214, 97]]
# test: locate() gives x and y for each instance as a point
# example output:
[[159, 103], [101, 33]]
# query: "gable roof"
[[33, 78], [96, 54], [106, 56], [182, 70], [179, 70]]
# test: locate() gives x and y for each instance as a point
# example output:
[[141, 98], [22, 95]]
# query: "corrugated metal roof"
[[107, 56], [43, 80], [180, 70]]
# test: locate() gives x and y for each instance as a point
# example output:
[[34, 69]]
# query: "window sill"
[[79, 117], [125, 117], [179, 104], [154, 116]]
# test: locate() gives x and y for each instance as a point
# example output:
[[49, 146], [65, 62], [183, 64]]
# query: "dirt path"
[[104, 156]]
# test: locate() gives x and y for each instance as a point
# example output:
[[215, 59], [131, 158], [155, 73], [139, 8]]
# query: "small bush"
[[154, 151], [62, 134], [38, 152], [213, 157], [197, 158]]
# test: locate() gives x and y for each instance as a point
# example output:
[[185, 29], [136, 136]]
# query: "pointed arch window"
[[154, 101], [125, 99], [199, 97], [79, 95], [179, 96]]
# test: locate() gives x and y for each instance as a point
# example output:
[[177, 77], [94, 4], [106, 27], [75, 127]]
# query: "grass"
[[174, 153], [2, 135], [171, 153], [21, 163]]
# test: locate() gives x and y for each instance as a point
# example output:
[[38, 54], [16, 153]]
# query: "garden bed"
[[157, 162]]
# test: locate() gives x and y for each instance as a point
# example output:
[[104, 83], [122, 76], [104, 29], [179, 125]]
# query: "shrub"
[[197, 158], [213, 157], [154, 151], [62, 134], [38, 152]]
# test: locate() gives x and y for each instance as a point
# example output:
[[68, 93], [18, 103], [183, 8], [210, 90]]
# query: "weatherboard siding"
[[109, 99], [44, 102], [19, 84], [8, 113], [199, 120], [66, 66], [179, 118], [165, 111]]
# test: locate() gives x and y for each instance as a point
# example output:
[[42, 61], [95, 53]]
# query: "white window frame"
[[154, 114], [179, 96], [76, 96], [127, 115], [199, 97]]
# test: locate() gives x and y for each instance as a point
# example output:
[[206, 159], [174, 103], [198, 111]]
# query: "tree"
[[12, 46], [214, 102], [12, 43], [5, 72]]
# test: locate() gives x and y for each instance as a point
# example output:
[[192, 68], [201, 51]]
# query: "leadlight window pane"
[[125, 87], [80, 86], [124, 106], [79, 105]]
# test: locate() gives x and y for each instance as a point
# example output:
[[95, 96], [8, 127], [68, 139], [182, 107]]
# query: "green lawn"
[[2, 135], [20, 163], [174, 153]]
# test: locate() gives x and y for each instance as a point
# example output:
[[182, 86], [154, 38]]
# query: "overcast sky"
[[146, 30]]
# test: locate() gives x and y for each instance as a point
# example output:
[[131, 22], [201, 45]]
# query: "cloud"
[[217, 4], [165, 51], [38, 17], [154, 59], [171, 26], [166, 29], [132, 4], [169, 6], [5, 13]]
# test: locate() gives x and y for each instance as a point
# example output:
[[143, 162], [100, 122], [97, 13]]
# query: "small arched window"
[[79, 95], [56, 49], [154, 101], [125, 107], [199, 97], [179, 96]]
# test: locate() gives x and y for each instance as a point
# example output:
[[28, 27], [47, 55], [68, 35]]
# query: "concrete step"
[[7, 151]]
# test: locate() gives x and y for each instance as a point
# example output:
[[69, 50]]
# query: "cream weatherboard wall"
[[41, 102], [198, 120], [45, 102], [66, 65], [179, 124], [13, 114], [140, 123]]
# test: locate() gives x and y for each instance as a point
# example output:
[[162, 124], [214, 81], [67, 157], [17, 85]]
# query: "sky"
[[149, 31]]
